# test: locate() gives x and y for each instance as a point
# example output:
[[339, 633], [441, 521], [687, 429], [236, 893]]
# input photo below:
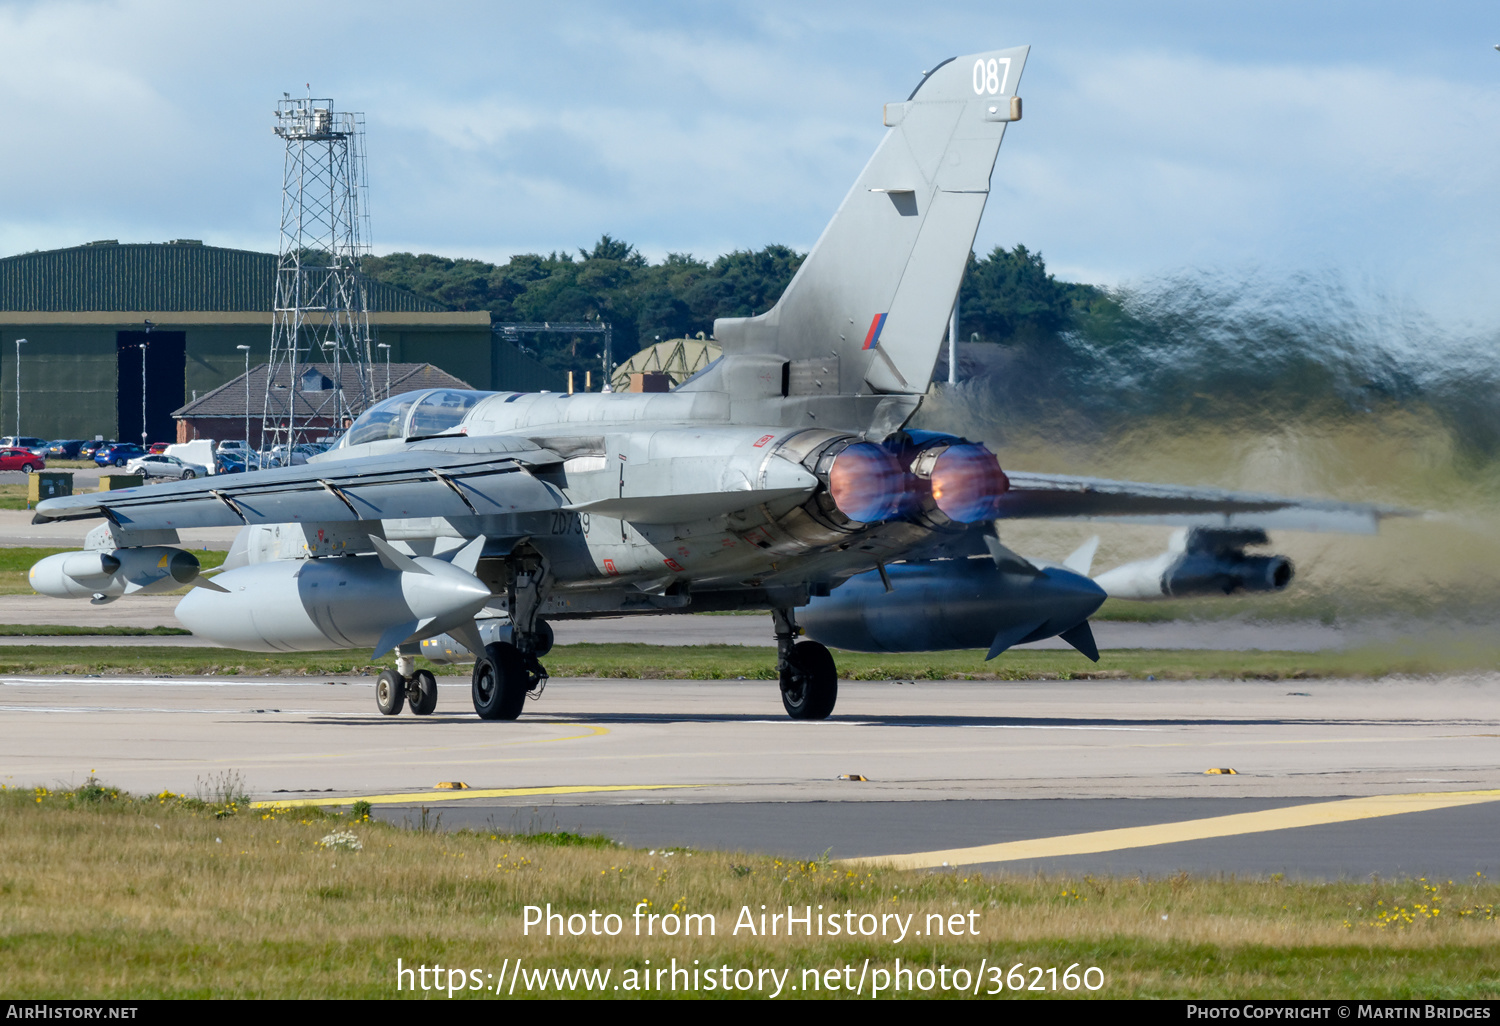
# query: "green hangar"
[[84, 313]]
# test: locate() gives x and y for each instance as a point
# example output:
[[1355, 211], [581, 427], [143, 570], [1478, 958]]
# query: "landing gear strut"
[[506, 672], [406, 685], [809, 678]]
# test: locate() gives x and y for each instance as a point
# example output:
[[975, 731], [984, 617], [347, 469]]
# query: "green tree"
[[1008, 297]]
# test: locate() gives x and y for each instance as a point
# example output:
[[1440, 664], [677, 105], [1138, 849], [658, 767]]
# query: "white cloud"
[[496, 128]]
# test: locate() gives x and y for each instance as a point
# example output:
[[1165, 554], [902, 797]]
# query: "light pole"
[[953, 344], [19, 343], [246, 351], [387, 347], [144, 434]]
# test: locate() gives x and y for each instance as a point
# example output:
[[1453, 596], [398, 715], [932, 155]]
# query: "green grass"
[[1264, 608], [730, 662], [52, 630], [165, 896], [13, 496]]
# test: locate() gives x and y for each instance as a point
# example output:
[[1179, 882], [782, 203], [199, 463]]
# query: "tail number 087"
[[990, 75]]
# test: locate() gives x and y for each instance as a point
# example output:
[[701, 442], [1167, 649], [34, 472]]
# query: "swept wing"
[[1063, 497], [430, 479]]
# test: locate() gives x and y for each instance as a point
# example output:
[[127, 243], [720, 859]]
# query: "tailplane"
[[874, 294]]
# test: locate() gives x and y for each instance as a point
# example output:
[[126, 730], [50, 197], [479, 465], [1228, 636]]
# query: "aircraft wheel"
[[421, 693], [500, 682], [809, 682], [390, 692]]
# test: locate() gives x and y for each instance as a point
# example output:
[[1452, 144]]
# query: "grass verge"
[[113, 896], [63, 630], [732, 662]]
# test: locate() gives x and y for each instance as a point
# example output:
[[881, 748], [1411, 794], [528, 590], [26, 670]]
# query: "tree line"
[[1006, 297]]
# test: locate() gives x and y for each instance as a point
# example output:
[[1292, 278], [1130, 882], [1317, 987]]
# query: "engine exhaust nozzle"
[[967, 483], [867, 483]]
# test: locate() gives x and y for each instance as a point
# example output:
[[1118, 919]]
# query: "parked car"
[[64, 449], [118, 454], [158, 447], [23, 442], [87, 450], [157, 465], [12, 458], [278, 457], [235, 461], [233, 445]]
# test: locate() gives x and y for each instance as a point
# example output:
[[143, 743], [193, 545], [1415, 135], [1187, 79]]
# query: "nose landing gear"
[[406, 685]]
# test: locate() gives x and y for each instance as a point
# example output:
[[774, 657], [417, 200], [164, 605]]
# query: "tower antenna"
[[320, 317]]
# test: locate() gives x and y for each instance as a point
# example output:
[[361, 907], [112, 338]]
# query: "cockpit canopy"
[[433, 412]]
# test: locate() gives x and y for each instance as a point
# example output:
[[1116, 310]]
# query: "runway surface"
[[1085, 776]]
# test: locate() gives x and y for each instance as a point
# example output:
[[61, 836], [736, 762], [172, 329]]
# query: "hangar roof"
[[228, 400], [148, 277]]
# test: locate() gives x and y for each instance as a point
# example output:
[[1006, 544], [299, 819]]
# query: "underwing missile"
[[103, 575], [1202, 561], [956, 603], [307, 605]]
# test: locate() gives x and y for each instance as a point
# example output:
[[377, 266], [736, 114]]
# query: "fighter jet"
[[782, 477]]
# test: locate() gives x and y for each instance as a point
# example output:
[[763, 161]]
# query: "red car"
[[157, 448], [21, 459]]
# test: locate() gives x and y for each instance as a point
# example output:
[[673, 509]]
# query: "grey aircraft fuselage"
[[765, 481]]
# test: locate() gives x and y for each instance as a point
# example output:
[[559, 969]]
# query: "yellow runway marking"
[[592, 732], [1192, 830], [473, 792]]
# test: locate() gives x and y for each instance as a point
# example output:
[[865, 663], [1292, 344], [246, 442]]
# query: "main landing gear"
[[809, 678], [507, 671], [504, 674], [406, 685]]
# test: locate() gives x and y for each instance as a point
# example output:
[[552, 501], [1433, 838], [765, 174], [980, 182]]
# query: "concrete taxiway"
[[1334, 778]]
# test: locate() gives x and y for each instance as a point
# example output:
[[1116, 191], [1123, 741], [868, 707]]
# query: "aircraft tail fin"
[[876, 290]]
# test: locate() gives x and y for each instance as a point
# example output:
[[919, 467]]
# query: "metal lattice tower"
[[321, 315]]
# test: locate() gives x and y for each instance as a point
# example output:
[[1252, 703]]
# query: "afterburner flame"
[[867, 483], [967, 483]]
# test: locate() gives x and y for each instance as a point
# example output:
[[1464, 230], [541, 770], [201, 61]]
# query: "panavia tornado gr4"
[[782, 477]]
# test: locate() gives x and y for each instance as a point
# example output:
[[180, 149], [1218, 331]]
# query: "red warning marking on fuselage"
[[609, 568], [763, 440], [672, 563], [877, 325]]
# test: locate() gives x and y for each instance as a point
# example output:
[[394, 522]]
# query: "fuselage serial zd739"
[[782, 477]]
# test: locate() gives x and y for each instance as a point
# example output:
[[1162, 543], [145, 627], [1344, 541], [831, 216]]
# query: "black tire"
[[421, 693], [188, 475], [499, 682], [390, 692], [810, 682], [121, 461], [30, 468]]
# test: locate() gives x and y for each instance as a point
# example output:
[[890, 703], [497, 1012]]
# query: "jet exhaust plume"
[[967, 482], [1246, 352], [867, 483]]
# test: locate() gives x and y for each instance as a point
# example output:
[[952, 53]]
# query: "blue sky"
[[1361, 140]]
